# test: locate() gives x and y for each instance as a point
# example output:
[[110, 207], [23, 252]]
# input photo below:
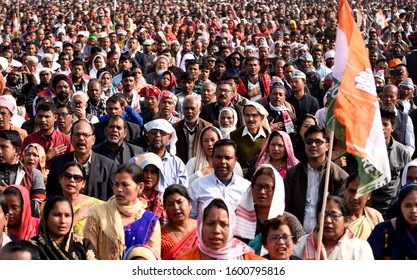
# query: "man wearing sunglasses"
[[304, 182], [162, 138]]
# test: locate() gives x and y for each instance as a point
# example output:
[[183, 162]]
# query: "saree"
[[140, 231], [72, 248], [170, 250]]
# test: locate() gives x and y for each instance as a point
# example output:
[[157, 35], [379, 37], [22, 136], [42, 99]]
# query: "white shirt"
[[261, 133], [310, 210], [209, 186]]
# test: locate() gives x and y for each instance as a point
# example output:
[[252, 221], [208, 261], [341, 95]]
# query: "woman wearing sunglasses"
[[72, 181]]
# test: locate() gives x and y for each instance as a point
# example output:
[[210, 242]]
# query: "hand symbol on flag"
[[365, 81]]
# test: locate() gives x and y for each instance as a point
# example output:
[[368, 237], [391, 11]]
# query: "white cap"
[[57, 44], [329, 54]]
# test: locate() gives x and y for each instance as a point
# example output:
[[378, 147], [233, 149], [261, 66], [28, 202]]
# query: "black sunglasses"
[[77, 178]]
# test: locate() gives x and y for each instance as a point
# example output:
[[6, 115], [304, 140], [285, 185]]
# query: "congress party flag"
[[381, 22], [353, 111]]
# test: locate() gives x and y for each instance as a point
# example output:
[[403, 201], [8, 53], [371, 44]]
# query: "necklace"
[[176, 235]]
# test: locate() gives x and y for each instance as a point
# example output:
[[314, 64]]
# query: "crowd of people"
[[164, 130]]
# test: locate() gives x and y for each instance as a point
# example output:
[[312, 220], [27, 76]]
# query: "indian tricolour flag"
[[380, 20], [353, 112]]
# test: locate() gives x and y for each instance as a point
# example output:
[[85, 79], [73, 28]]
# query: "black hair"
[[176, 189], [3, 204], [215, 203], [405, 190], [133, 170], [46, 106], [78, 62], [68, 106], [13, 136], [50, 204], [74, 164], [116, 118], [274, 224], [387, 113], [340, 201], [186, 77], [224, 142], [19, 246], [93, 130], [316, 129]]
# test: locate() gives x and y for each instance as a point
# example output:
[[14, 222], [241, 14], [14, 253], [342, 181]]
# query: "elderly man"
[[303, 102], [161, 65], [406, 94], [404, 129], [100, 170], [188, 129], [162, 138], [96, 104], [224, 94], [115, 148], [79, 103], [251, 137], [222, 183], [313, 78], [208, 92]]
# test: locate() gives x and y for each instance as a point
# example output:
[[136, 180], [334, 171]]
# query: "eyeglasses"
[[155, 132], [235, 58], [77, 178], [259, 187], [318, 142], [211, 61], [277, 238], [64, 115], [83, 134], [220, 90], [333, 215]]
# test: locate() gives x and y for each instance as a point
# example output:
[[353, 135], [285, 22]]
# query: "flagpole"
[[325, 191]]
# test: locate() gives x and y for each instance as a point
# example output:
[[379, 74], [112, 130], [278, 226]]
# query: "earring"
[[6, 230]]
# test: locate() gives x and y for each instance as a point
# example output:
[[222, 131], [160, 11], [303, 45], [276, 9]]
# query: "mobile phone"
[[17, 68], [395, 72], [77, 104]]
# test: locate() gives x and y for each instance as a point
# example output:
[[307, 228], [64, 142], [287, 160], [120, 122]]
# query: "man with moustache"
[[62, 87], [115, 148], [99, 169], [162, 137], [96, 104], [161, 65], [251, 137]]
